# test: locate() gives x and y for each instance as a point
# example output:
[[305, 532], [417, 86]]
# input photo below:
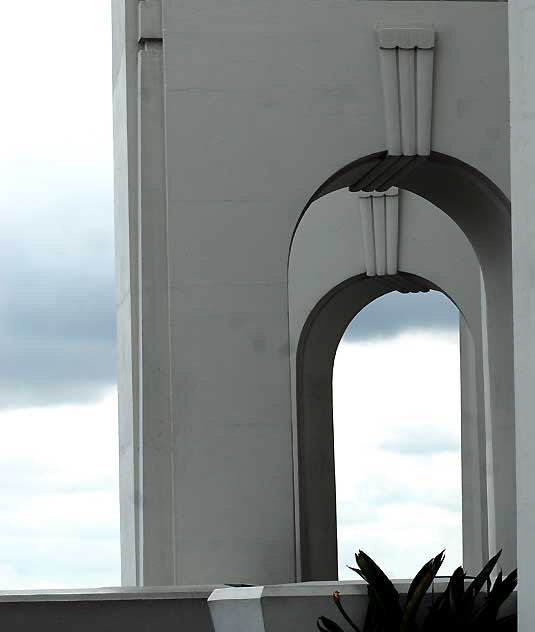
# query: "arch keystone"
[[407, 61], [379, 214]]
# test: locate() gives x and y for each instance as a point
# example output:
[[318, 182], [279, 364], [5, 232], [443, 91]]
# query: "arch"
[[316, 353], [440, 171], [481, 211]]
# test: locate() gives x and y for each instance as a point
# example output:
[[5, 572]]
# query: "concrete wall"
[[262, 102], [522, 60], [289, 608], [125, 46], [128, 610], [295, 608], [328, 249]]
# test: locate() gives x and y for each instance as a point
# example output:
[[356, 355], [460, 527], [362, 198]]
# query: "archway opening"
[[397, 434], [480, 226]]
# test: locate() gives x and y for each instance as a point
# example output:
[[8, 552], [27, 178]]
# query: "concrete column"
[[125, 50], [498, 369], [474, 475], [522, 69], [156, 438]]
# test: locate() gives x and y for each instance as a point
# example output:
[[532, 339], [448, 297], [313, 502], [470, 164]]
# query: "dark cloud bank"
[[57, 328], [395, 313], [57, 303], [57, 307]]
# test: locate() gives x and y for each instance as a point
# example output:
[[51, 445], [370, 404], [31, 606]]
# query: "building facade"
[[279, 165]]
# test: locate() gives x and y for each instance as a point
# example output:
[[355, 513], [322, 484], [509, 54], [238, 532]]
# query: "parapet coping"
[[214, 592], [109, 594], [312, 589]]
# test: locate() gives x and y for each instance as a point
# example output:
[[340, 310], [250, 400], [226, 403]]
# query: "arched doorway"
[[460, 228]]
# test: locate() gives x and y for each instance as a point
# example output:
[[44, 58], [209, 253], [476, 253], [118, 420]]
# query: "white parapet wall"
[[296, 607]]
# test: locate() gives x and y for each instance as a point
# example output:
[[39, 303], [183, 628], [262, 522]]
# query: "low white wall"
[[277, 608], [296, 607]]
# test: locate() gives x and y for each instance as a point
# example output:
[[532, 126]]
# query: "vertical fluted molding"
[[379, 220], [366, 218], [424, 99], [406, 60], [392, 230], [379, 232], [407, 100], [389, 73]]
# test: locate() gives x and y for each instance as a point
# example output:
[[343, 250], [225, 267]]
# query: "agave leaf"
[[326, 625], [483, 577], [507, 624], [439, 616], [358, 571], [371, 623], [387, 595], [338, 603], [419, 586], [455, 591], [501, 590]]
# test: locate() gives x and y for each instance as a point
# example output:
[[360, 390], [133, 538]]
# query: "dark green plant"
[[460, 608]]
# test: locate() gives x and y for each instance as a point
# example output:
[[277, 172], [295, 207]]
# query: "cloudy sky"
[[58, 420], [396, 398], [59, 524]]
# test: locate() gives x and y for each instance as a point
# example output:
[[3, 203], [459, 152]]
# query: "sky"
[[59, 521], [59, 524], [396, 412]]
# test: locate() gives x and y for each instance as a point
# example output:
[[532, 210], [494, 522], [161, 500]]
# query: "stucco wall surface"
[[260, 102], [522, 60]]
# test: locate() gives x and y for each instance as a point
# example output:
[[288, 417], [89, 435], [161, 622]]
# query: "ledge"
[[109, 594]]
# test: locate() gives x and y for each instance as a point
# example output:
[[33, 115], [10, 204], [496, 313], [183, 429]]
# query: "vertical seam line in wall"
[[398, 87], [415, 89], [373, 235], [139, 455], [170, 335], [297, 557]]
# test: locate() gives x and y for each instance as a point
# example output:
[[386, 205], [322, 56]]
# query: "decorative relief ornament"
[[406, 59], [379, 213]]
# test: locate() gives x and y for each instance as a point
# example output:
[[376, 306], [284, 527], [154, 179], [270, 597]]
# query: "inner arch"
[[397, 434], [482, 213], [318, 343]]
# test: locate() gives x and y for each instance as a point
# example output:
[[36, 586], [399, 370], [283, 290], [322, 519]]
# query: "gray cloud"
[[395, 313], [57, 303], [56, 201]]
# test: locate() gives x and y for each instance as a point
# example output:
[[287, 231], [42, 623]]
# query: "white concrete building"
[[279, 165]]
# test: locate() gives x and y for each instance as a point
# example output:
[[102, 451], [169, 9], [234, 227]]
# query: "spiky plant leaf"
[[418, 588], [507, 624], [487, 614], [438, 616], [373, 620], [326, 625], [455, 591], [483, 577], [387, 595], [358, 571]]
